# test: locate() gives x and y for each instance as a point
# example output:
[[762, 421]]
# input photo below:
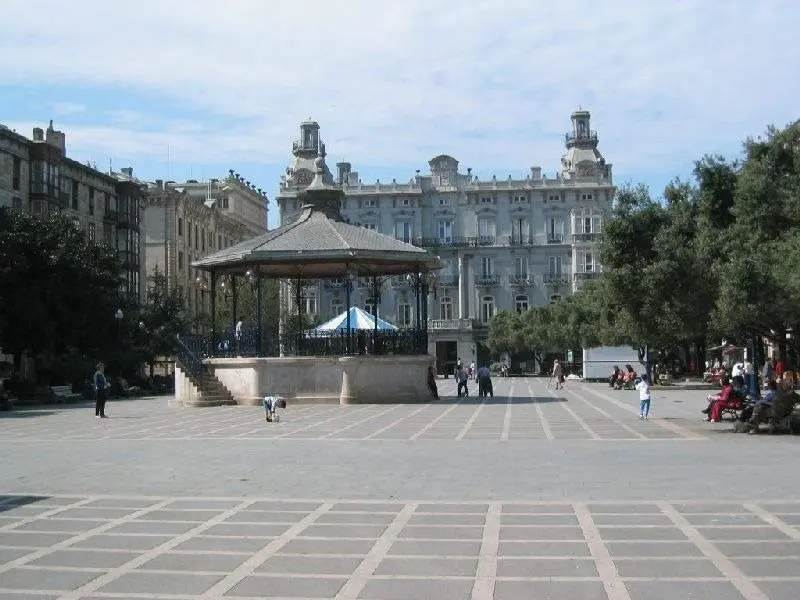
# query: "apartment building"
[[183, 226], [37, 175], [504, 243]]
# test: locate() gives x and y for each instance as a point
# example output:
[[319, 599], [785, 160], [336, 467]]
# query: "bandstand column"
[[259, 316], [233, 305], [213, 313]]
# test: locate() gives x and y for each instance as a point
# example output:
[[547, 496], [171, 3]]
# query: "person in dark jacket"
[[100, 382], [432, 383]]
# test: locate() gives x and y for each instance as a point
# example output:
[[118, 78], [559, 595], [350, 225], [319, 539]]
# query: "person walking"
[[100, 382], [644, 397], [558, 374]]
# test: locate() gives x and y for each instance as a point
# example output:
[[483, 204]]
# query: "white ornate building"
[[505, 244]]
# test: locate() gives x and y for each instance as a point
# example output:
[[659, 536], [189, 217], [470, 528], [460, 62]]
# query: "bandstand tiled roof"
[[320, 245]]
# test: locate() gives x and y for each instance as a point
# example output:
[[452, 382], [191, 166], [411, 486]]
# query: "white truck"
[[598, 362]]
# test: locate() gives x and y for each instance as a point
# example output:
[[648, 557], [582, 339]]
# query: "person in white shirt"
[[644, 397], [737, 370]]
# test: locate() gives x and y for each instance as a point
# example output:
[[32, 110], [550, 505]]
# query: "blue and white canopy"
[[359, 319]]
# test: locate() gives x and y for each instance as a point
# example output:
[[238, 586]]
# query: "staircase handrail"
[[193, 363]]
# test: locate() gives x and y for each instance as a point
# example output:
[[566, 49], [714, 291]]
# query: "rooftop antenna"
[[110, 169], [169, 164]]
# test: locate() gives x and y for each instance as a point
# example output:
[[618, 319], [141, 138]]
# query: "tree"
[[160, 319], [58, 290]]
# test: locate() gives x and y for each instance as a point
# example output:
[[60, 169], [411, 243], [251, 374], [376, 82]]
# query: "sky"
[[187, 89]]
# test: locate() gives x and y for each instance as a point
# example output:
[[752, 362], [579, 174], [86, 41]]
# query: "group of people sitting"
[[622, 379], [775, 405]]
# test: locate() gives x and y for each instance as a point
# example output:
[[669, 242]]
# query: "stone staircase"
[[210, 390]]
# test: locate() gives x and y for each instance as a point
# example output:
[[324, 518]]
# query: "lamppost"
[[118, 317]]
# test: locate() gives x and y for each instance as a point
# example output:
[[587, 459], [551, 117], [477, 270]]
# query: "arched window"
[[487, 308], [521, 303]]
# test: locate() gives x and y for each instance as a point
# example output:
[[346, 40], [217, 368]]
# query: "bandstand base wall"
[[316, 379]]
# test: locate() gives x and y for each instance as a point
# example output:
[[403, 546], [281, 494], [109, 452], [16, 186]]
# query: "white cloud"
[[490, 81]]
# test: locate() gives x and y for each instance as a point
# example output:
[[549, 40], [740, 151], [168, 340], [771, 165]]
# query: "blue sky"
[[191, 88]]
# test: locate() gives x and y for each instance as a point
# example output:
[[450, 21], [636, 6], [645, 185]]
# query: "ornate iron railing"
[[408, 342], [190, 360]]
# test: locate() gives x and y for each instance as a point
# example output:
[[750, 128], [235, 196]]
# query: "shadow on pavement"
[[8, 502]]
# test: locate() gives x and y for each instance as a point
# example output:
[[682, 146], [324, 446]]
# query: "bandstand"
[[239, 365]]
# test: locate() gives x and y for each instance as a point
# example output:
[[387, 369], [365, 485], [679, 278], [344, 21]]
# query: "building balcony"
[[487, 281], [334, 284], [571, 137], [450, 324], [585, 237], [520, 240], [521, 280], [555, 279], [454, 242], [585, 275], [448, 281], [555, 238]]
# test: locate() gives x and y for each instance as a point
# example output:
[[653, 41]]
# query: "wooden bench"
[[63, 393]]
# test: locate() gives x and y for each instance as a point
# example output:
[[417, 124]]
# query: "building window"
[[203, 238], [180, 226], [486, 230], [487, 266], [310, 303], [370, 203], [586, 197], [404, 314], [403, 231], [76, 223], [586, 262], [219, 242], [91, 201], [337, 307], [520, 231], [180, 260], [108, 234], [210, 239], [196, 237], [75, 198], [487, 308], [404, 202], [16, 203], [446, 308], [487, 200], [444, 201], [520, 200], [370, 226], [445, 232], [555, 229], [92, 233], [16, 175], [521, 303], [555, 266], [521, 266]]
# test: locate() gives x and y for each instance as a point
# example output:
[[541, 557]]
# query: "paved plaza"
[[533, 494]]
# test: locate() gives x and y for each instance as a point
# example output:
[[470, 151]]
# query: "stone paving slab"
[[523, 409], [374, 550]]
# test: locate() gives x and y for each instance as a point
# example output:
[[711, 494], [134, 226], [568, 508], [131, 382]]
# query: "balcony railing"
[[450, 324], [520, 240], [555, 279], [585, 237], [521, 280], [455, 242], [487, 280], [448, 281], [585, 275], [555, 238], [334, 284], [571, 137]]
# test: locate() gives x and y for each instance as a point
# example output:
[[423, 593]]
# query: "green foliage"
[[160, 319], [59, 291]]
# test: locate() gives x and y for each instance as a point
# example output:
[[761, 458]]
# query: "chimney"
[[128, 172], [536, 173], [38, 134], [160, 184]]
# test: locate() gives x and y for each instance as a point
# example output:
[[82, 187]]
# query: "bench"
[[63, 393]]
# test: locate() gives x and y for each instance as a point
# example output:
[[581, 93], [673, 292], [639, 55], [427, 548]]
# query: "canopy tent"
[[359, 319]]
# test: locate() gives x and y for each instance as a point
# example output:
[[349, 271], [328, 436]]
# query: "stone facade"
[[235, 197], [182, 228], [504, 243], [37, 175]]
